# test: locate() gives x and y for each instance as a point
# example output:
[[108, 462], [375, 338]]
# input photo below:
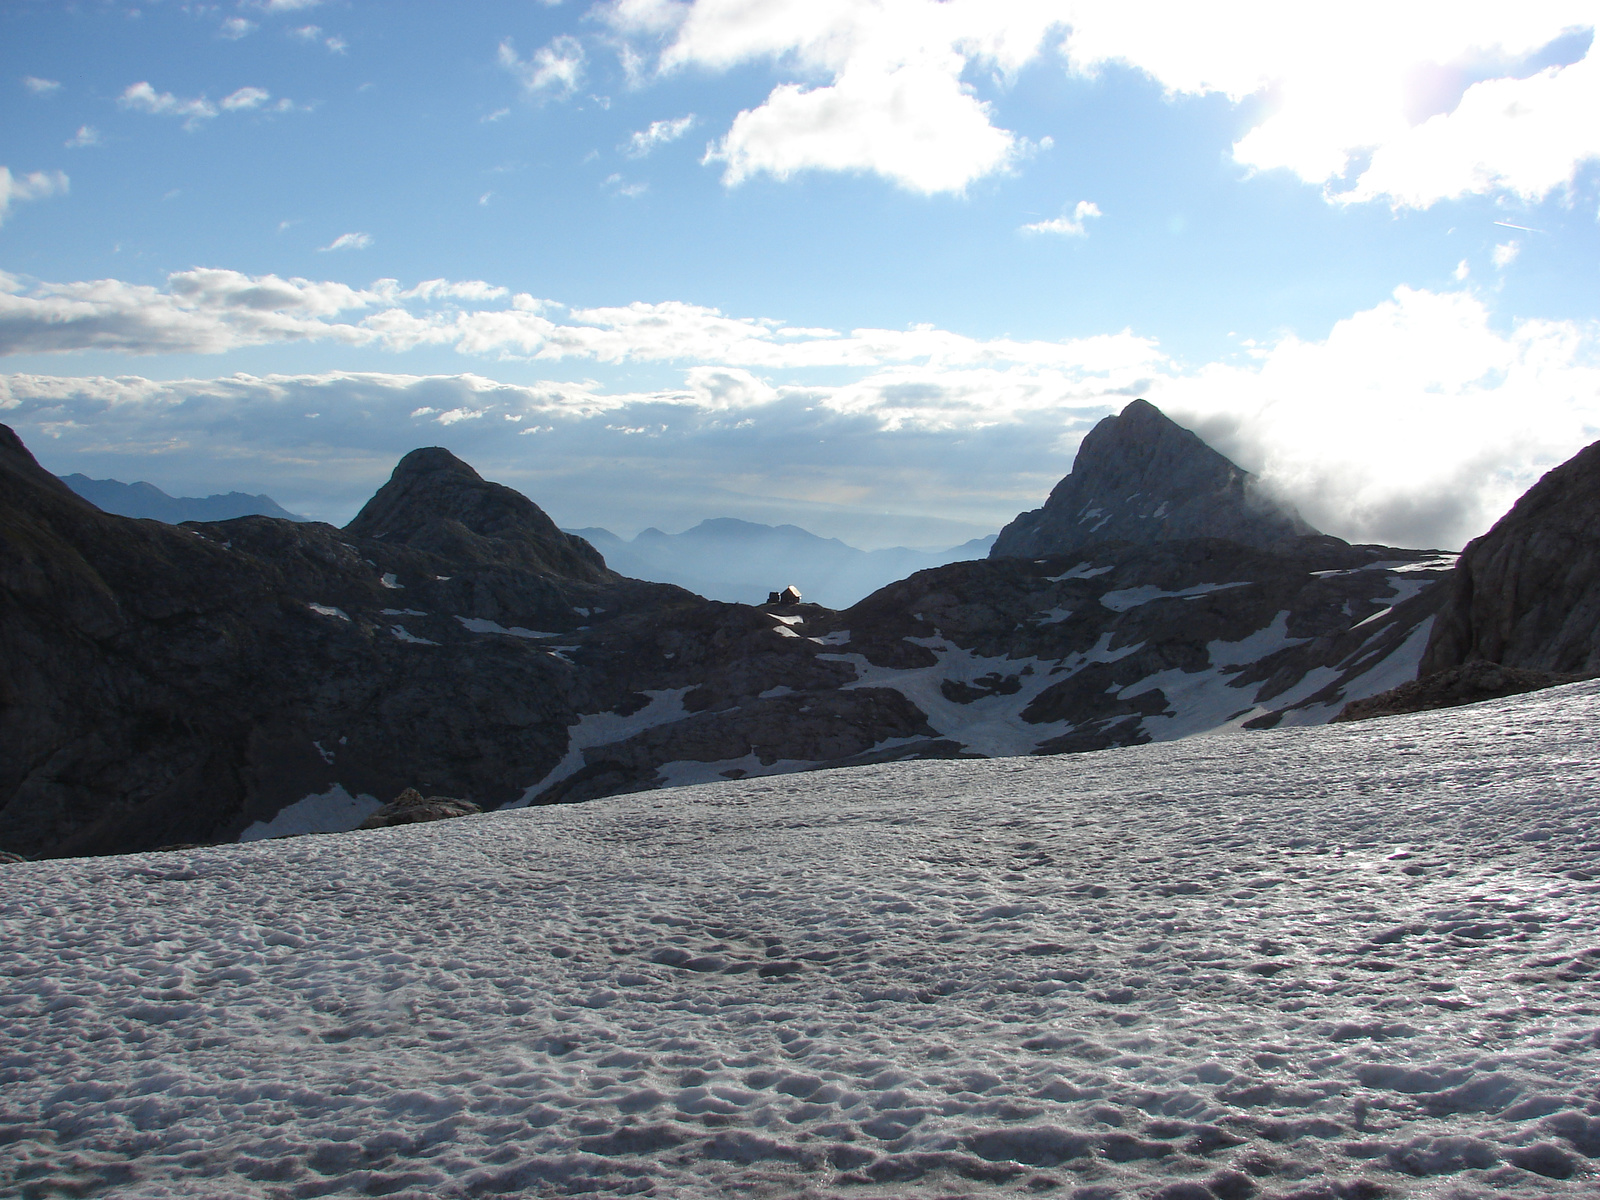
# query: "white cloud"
[[1430, 92], [336, 44], [891, 98], [38, 185], [1415, 421], [1410, 104], [1072, 226], [658, 134], [348, 241], [41, 87], [1506, 253], [308, 33], [246, 98], [281, 6], [235, 28], [554, 70], [141, 97], [86, 136]]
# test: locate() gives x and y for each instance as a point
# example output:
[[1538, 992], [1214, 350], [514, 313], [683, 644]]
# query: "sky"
[[872, 267]]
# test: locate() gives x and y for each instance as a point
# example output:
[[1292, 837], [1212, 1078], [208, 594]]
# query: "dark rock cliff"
[[1527, 593], [1141, 478]]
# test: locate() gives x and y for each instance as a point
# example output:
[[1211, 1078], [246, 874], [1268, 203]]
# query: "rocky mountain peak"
[[1141, 477], [433, 498]]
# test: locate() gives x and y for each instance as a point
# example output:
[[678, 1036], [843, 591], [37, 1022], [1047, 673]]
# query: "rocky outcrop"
[[411, 807], [1469, 683], [1141, 478], [1527, 593]]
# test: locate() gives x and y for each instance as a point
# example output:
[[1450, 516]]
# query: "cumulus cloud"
[[554, 70], [658, 134], [348, 241], [1506, 253], [37, 185], [235, 28], [882, 88], [86, 136], [1072, 226], [41, 87], [1442, 102], [1409, 105]]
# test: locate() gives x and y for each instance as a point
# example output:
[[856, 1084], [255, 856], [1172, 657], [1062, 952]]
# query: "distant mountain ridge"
[[148, 501], [741, 562]]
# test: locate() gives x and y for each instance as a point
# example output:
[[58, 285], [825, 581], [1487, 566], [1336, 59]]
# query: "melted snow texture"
[[1355, 960]]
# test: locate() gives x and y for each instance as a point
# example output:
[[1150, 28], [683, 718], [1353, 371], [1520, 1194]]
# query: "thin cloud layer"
[[209, 311], [1414, 422]]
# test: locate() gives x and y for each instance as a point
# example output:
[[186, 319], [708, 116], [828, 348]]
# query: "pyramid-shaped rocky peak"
[[436, 502], [1140, 477]]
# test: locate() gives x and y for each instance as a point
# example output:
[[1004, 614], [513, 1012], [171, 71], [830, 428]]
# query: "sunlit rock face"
[[1141, 478], [1527, 593]]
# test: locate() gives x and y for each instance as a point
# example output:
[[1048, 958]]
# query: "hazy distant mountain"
[[741, 561], [147, 500]]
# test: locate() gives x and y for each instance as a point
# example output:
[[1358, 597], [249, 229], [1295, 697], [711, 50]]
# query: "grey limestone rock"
[[1527, 593], [1139, 477]]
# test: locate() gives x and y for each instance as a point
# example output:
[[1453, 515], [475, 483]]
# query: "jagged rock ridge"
[[1140, 477]]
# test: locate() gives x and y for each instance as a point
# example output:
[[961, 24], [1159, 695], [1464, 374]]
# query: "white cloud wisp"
[[37, 185]]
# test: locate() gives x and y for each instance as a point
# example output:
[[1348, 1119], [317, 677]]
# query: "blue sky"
[[870, 266]]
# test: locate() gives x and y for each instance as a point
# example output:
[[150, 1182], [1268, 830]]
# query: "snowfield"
[[1334, 962]]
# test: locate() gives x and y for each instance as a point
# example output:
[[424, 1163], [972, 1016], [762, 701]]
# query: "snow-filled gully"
[[1335, 962]]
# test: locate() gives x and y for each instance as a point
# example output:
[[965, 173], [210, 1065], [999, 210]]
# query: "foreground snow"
[[1327, 962]]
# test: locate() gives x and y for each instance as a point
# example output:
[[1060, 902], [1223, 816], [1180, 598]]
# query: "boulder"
[[410, 807]]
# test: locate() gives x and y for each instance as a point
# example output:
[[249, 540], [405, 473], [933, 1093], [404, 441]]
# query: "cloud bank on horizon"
[[1377, 263]]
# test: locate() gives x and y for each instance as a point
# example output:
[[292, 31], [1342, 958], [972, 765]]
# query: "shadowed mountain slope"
[[1141, 478]]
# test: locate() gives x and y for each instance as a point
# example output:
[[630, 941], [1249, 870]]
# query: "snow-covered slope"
[[1343, 961]]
